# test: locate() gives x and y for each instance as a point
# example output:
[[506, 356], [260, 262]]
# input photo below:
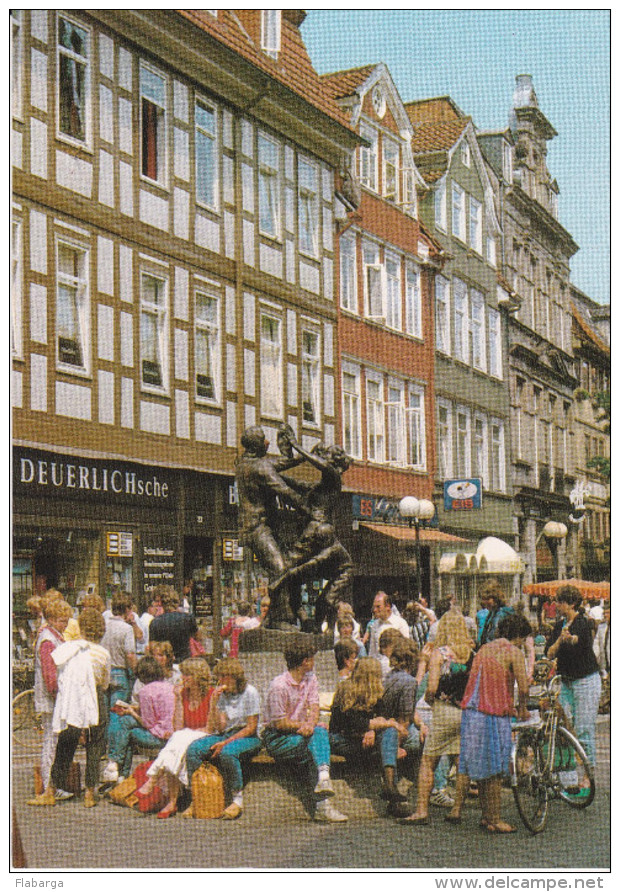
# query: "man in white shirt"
[[384, 618]]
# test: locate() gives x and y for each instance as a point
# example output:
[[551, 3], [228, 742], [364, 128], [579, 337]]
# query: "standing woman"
[[570, 645]]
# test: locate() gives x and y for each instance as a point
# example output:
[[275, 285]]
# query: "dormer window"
[[271, 22], [390, 170]]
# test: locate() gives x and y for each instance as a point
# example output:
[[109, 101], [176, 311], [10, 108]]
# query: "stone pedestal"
[[263, 640]]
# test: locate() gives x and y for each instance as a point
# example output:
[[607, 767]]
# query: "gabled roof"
[[589, 332], [345, 83], [439, 108], [437, 137], [292, 68]]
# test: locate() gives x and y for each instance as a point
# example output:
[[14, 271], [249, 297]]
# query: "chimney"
[[524, 94]]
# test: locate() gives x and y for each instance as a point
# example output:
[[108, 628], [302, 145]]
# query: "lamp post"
[[415, 511], [555, 532]]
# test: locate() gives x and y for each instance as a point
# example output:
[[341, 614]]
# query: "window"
[[348, 273], [495, 342], [444, 439], [269, 186], [308, 207], [491, 251], [413, 301], [458, 212], [416, 433], [396, 441], [310, 377], [351, 413], [478, 345], [271, 366], [461, 345], [16, 61], [153, 124], [480, 462], [410, 204], [442, 315], [271, 20], [507, 162], [475, 225], [463, 441], [153, 331], [73, 79], [390, 170], [392, 292], [465, 154], [441, 207], [375, 414], [519, 401], [373, 282], [369, 158], [206, 154], [72, 305], [498, 459], [16, 288], [207, 315]]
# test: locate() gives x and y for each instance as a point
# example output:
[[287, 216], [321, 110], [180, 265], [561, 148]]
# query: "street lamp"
[[415, 511], [555, 532]]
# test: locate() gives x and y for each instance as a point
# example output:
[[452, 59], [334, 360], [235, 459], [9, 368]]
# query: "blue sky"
[[474, 56]]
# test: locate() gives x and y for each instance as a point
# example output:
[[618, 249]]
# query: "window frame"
[[352, 412], [271, 32], [369, 159], [394, 165], [62, 51], [375, 419], [494, 330], [17, 288], [481, 469], [461, 328], [445, 445], [160, 312], [308, 206], [463, 441], [477, 324], [348, 278], [393, 291], [270, 178], [81, 284], [215, 149], [375, 267], [498, 485], [441, 206], [271, 382], [311, 375], [475, 224], [457, 208], [413, 300], [416, 412], [396, 439], [213, 334], [465, 154], [17, 62], [161, 179], [443, 324]]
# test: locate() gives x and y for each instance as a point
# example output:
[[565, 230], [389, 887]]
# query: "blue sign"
[[464, 494]]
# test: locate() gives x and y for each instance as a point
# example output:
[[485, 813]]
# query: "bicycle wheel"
[[575, 775], [528, 784], [27, 726]]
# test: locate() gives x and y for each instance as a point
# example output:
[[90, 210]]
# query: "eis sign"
[[462, 495]]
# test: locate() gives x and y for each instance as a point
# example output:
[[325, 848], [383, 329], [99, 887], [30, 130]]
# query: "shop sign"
[[119, 544], [462, 495], [158, 566], [231, 550], [40, 473]]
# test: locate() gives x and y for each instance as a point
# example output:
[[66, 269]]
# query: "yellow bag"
[[124, 793], [207, 792]]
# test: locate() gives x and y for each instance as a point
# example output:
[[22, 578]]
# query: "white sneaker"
[[61, 795], [324, 789], [326, 814], [110, 773], [441, 799]]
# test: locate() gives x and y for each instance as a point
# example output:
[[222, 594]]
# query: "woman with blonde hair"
[[192, 696], [358, 727], [232, 731]]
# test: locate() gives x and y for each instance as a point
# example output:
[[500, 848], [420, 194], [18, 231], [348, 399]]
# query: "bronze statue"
[[317, 552]]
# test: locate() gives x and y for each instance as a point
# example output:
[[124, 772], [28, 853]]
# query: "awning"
[[428, 536], [592, 591], [498, 557], [458, 562]]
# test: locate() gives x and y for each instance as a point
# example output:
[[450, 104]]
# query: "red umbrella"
[[591, 591]]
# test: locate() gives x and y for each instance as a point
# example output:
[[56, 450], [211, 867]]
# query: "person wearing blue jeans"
[[232, 732], [292, 733]]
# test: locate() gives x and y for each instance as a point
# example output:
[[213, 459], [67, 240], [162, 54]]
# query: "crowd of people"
[[426, 693]]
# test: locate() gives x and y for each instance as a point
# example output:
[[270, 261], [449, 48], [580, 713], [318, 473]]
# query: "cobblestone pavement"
[[276, 832]]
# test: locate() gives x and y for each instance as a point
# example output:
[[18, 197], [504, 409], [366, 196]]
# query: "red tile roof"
[[437, 137], [440, 108], [345, 83], [292, 68]]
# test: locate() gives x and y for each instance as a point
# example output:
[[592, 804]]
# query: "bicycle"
[[27, 724], [547, 760]]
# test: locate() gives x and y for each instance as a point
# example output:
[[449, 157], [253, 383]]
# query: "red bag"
[[195, 647], [156, 799]]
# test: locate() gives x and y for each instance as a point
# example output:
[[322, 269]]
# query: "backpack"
[[207, 792]]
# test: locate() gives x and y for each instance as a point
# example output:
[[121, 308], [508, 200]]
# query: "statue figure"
[[318, 552], [260, 485]]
